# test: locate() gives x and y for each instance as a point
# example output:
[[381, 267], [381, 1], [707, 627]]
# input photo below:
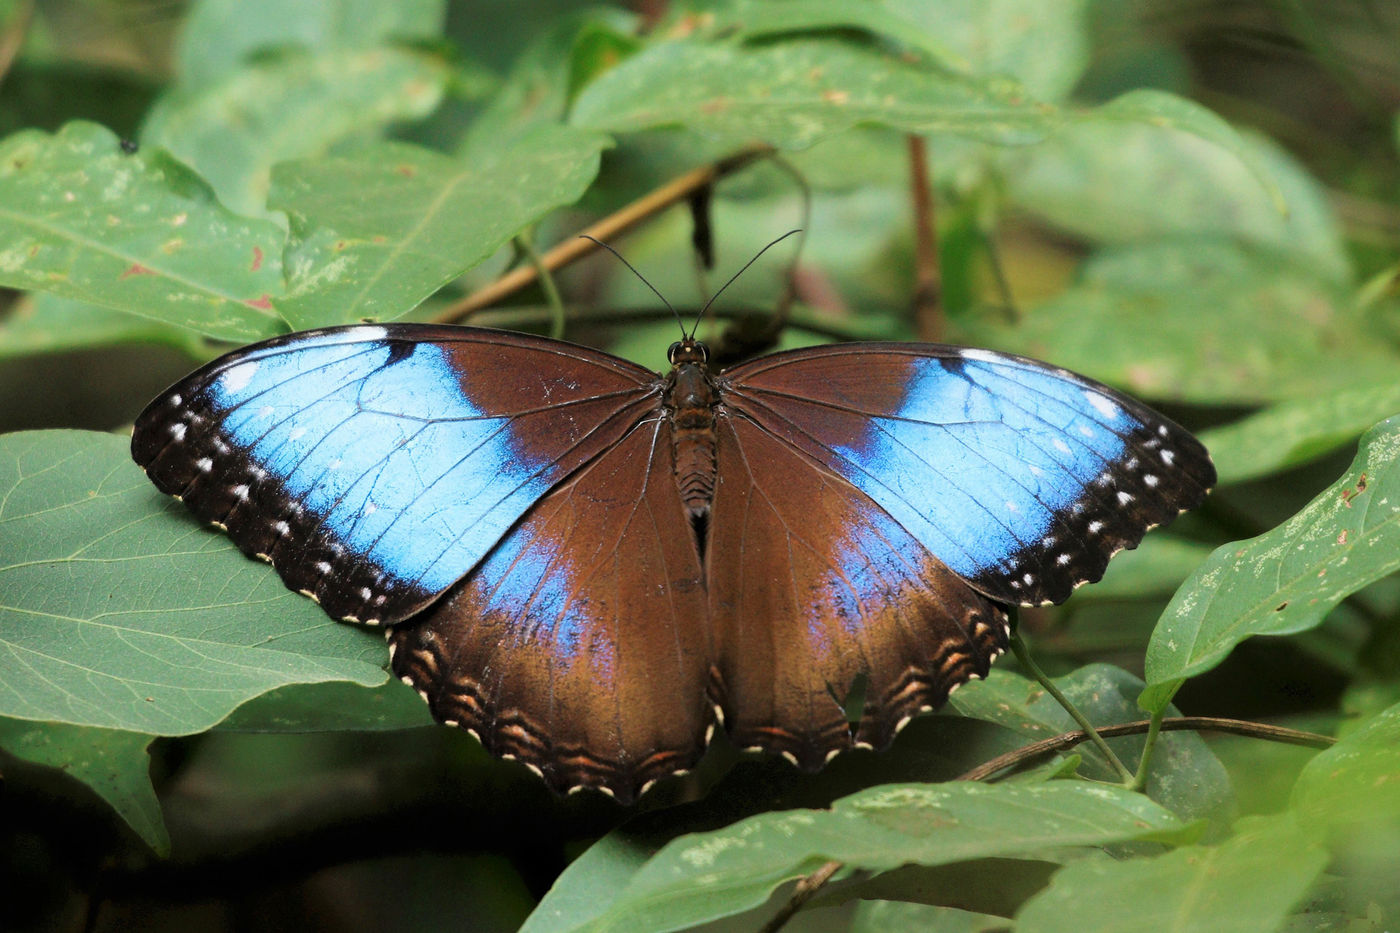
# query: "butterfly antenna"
[[765, 249], [623, 260]]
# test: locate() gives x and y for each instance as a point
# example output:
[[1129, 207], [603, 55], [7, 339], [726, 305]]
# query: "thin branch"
[[806, 888], [12, 39], [928, 285], [610, 227], [1059, 743]]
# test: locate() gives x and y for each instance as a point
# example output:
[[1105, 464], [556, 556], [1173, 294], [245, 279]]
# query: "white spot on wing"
[[985, 356], [236, 378], [1102, 404]]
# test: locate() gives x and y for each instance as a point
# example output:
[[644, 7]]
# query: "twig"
[[12, 39], [806, 888], [1059, 743], [928, 287], [574, 248]]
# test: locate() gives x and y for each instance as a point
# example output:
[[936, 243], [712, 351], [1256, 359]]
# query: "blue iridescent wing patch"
[[374, 466], [1019, 476]]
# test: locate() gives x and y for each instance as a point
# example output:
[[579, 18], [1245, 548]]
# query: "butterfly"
[[590, 566]]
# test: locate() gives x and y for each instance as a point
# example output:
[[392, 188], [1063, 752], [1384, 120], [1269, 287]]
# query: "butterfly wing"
[[374, 466], [812, 586], [580, 645], [1022, 478]]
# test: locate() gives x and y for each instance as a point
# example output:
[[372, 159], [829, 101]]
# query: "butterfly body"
[[590, 566]]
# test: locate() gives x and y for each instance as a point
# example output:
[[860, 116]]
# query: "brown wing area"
[[812, 586], [580, 645]]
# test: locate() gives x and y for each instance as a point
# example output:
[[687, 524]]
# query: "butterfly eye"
[[671, 353]]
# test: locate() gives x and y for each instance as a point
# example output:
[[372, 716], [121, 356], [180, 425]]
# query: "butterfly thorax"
[[690, 400]]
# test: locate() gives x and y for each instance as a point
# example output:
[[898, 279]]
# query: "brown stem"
[[806, 888], [809, 885], [12, 39], [928, 287], [610, 227], [1058, 743]]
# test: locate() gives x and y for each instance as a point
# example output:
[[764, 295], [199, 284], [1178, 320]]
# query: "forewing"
[[375, 466], [813, 587], [580, 645], [1023, 478]]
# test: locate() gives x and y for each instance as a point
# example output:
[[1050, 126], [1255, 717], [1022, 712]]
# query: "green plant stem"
[[1018, 648], [1154, 729], [526, 244]]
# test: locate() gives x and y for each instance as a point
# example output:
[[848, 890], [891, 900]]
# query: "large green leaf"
[[1174, 183], [1246, 884], [793, 93], [1164, 319], [1354, 785], [762, 19], [115, 764], [297, 105], [1043, 43], [541, 79], [376, 232], [120, 614], [705, 876], [1296, 432], [219, 35], [137, 232], [1288, 579], [43, 322]]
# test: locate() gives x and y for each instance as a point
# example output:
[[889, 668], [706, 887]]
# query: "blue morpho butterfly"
[[588, 565]]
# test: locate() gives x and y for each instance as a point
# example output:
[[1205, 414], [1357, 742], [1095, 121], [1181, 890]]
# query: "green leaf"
[[1246, 884], [760, 19], [543, 76], [1171, 183], [219, 35], [376, 232], [791, 94], [704, 876], [233, 132], [331, 706], [115, 764], [1163, 319], [120, 612], [1044, 45], [135, 232], [1184, 775], [902, 917], [45, 323], [1354, 785], [1293, 433], [1171, 111], [1288, 579]]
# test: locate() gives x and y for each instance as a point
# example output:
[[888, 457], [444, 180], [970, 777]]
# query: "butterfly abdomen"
[[691, 399]]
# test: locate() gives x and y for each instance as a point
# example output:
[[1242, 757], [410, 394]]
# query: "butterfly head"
[[689, 351]]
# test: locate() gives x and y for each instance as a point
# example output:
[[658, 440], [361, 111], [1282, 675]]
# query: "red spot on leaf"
[[407, 171], [257, 258], [136, 269], [1349, 494], [1342, 538], [264, 303]]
